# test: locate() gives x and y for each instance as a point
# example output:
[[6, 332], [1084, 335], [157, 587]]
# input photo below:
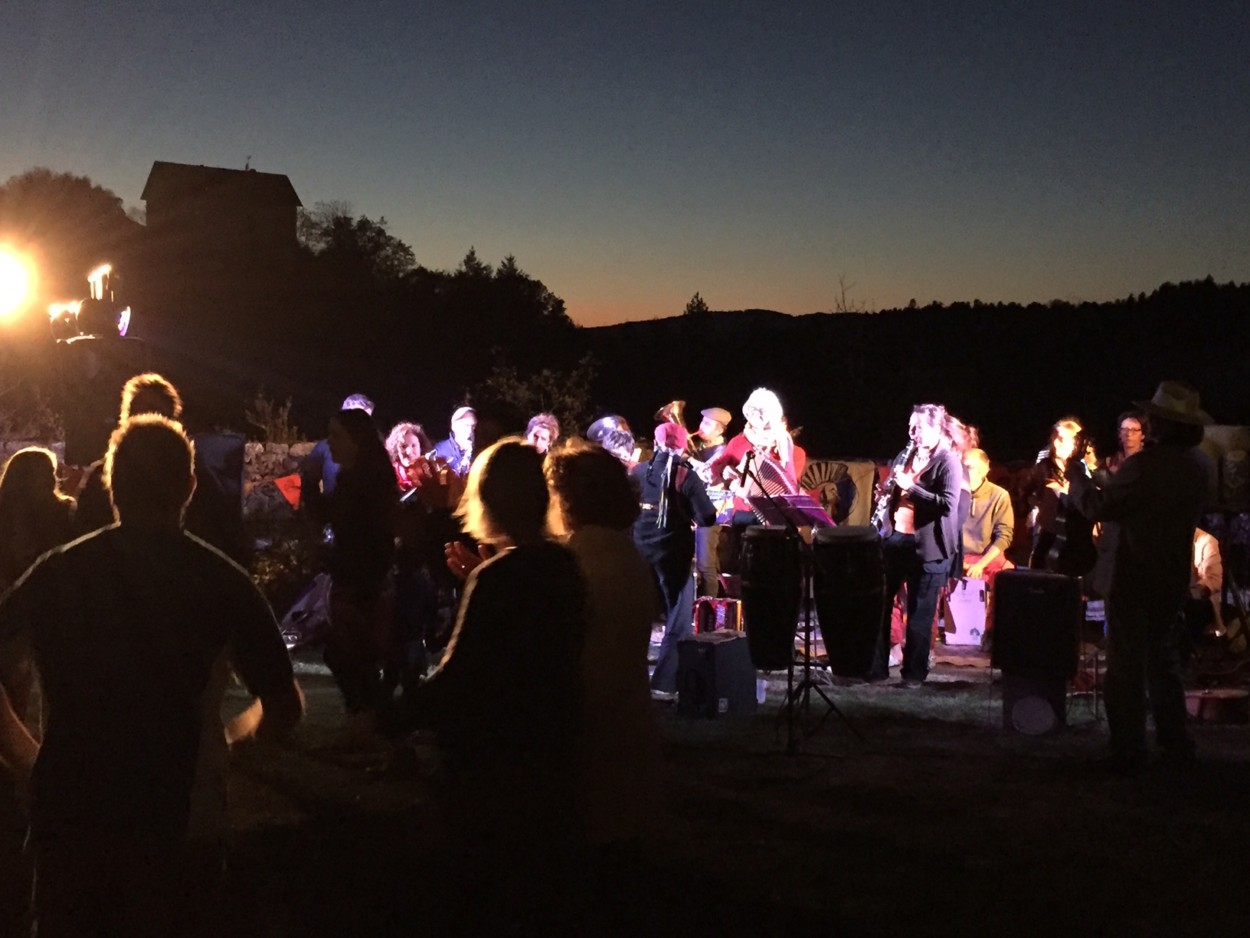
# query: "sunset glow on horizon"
[[634, 155]]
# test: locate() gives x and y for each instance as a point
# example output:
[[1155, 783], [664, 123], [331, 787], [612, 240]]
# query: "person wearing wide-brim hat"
[[1149, 510]]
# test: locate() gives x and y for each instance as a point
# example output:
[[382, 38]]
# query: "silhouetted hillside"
[[849, 379]]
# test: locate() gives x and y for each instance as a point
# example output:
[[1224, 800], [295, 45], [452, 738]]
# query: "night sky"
[[632, 153]]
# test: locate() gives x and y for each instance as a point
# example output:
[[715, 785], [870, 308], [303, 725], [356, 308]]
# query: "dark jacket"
[[935, 496]]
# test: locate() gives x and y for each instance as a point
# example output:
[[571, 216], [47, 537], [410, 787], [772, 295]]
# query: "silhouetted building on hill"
[[238, 216]]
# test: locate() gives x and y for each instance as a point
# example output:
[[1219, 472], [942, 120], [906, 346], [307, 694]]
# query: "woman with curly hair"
[[407, 445]]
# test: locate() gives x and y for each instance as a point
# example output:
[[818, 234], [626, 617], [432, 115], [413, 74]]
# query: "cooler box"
[[965, 612]]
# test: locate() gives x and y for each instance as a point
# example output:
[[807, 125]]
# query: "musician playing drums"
[[921, 538], [672, 499], [764, 452]]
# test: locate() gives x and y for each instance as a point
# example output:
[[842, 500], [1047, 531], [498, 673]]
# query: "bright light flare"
[[58, 309], [17, 281], [123, 322], [96, 279]]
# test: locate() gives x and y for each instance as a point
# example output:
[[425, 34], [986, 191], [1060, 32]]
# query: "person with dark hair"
[[361, 514], [505, 703], [1149, 509], [597, 505], [922, 537], [1132, 431], [215, 513], [148, 393], [134, 629], [34, 518], [673, 500], [318, 472]]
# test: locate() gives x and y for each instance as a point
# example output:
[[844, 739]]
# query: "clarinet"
[[882, 510]]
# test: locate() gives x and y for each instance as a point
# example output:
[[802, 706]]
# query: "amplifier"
[[715, 675]]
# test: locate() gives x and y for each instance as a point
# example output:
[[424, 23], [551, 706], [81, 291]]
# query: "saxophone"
[[882, 511]]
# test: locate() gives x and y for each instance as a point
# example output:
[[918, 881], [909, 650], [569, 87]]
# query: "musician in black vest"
[[672, 499], [921, 538]]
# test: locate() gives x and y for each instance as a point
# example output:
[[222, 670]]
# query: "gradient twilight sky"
[[632, 153]]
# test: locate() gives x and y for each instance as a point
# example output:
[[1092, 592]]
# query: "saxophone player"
[[923, 538]]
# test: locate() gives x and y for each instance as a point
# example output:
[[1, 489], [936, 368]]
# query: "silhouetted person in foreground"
[[135, 628], [1149, 509], [214, 514], [505, 704]]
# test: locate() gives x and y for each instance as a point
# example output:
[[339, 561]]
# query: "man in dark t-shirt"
[[134, 629]]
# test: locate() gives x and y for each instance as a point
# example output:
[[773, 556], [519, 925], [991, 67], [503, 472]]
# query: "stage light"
[[98, 279], [17, 281], [63, 318]]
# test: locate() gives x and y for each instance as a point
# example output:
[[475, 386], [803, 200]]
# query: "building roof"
[[177, 181]]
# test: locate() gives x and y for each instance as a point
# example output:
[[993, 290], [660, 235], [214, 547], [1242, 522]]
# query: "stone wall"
[[264, 462]]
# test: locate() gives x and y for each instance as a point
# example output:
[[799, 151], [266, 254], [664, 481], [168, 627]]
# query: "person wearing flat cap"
[[673, 499], [1149, 509], [711, 433], [711, 443]]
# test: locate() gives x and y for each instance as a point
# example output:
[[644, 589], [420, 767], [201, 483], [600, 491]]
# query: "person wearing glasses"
[[1133, 426]]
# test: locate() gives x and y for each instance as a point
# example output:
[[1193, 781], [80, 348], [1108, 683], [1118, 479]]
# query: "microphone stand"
[[798, 696]]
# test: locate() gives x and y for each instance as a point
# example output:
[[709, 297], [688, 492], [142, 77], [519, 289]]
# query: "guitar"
[[882, 509]]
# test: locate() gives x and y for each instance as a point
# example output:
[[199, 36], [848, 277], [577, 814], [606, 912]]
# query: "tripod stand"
[[791, 511], [799, 696]]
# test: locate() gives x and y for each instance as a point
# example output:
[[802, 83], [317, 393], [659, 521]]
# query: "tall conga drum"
[[849, 583], [771, 572]]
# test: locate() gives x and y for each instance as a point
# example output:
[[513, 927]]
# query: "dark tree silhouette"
[[695, 305], [68, 224], [354, 245]]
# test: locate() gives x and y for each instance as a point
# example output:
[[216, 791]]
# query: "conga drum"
[[849, 583], [771, 573]]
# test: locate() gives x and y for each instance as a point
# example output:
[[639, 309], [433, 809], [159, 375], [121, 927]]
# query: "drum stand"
[[799, 696]]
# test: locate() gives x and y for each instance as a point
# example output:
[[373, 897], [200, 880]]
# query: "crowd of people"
[[498, 602]]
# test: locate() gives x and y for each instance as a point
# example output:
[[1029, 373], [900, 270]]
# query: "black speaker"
[[715, 675], [1034, 706], [1037, 623]]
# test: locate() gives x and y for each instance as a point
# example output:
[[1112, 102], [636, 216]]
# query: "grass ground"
[[938, 823]]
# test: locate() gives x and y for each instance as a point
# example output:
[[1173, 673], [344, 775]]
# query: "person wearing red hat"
[[673, 499]]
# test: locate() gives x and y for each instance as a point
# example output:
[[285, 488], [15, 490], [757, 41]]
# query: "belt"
[[645, 507]]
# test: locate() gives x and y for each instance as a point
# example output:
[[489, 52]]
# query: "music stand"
[[793, 512]]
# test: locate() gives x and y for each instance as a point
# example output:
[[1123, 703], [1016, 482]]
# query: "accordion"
[[772, 478]]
